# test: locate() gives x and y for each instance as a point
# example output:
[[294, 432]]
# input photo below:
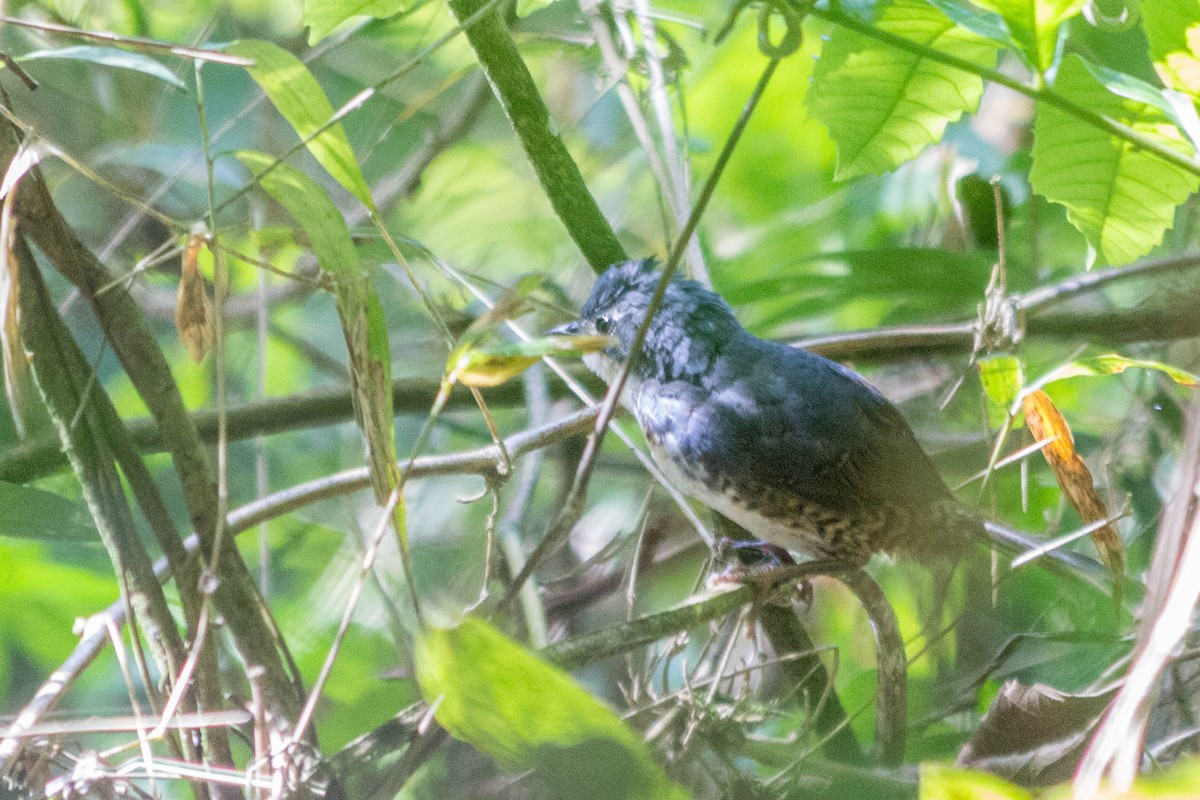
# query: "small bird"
[[800, 451]]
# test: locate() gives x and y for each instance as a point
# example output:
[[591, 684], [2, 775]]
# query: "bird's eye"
[[603, 325]]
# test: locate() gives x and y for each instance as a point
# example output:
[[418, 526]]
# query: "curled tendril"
[[792, 14], [792, 35], [1123, 19]]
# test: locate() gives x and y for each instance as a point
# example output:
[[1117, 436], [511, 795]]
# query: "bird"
[[800, 451]]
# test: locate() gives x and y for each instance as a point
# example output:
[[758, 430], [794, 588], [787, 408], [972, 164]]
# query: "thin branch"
[[1158, 319], [483, 461], [134, 42], [127, 329], [62, 375], [36, 458], [556, 170]]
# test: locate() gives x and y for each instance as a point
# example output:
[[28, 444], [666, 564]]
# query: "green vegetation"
[[274, 285]]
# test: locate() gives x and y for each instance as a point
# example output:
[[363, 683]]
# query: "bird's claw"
[[768, 569]]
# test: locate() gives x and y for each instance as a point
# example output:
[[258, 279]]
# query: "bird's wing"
[[799, 423]]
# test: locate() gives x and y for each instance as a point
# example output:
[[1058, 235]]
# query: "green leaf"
[[29, 513], [358, 308], [1114, 364], [322, 16], [298, 96], [1034, 25], [489, 691], [1002, 376], [883, 105], [110, 57], [985, 23], [944, 782], [1121, 198], [312, 208], [492, 366], [1173, 31]]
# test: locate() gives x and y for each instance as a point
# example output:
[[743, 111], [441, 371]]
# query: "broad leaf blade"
[[322, 16], [1034, 25], [488, 690], [883, 105], [1173, 31], [944, 782], [295, 92], [1121, 198]]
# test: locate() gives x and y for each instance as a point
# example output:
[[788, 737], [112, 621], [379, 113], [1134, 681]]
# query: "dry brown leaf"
[[1047, 424], [1034, 735], [193, 309]]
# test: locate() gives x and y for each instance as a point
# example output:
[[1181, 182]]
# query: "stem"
[[556, 170]]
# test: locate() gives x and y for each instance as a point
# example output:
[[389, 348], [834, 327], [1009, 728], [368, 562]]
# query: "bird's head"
[[690, 323]]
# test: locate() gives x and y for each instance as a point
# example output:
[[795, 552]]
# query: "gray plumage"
[[799, 450]]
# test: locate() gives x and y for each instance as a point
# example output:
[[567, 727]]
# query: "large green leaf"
[[298, 96], [1173, 31], [29, 513], [1120, 197], [1034, 24], [944, 782], [322, 16], [488, 690], [883, 105]]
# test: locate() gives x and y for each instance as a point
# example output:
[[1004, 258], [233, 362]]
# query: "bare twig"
[[135, 42]]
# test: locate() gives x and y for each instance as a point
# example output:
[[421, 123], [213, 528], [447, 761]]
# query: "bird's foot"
[[770, 570]]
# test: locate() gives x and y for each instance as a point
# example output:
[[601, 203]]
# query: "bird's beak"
[[572, 328]]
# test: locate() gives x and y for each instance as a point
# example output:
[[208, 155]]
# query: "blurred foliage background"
[[797, 253]]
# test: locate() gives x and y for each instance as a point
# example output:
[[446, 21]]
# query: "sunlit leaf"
[[29, 513], [979, 20], [489, 691], [322, 16], [883, 105], [492, 366], [1002, 376], [1120, 197], [110, 57], [299, 98], [1114, 364], [484, 368], [943, 782], [1173, 31], [1035, 24]]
